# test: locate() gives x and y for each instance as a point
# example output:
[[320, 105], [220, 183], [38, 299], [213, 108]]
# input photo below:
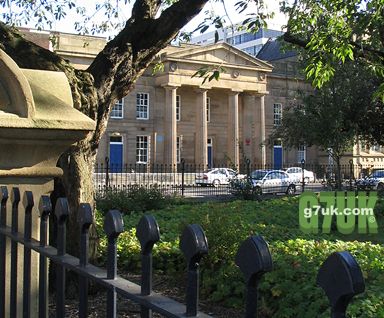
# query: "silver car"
[[272, 181]]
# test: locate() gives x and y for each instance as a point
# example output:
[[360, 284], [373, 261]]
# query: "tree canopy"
[[338, 112], [333, 31]]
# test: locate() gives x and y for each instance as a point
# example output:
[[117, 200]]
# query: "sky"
[[67, 24]]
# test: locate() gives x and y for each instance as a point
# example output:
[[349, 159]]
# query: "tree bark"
[[110, 77]]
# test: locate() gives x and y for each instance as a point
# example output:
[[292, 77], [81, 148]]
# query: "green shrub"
[[243, 189], [290, 289], [133, 199]]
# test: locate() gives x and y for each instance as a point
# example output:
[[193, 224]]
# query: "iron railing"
[[340, 275], [192, 180]]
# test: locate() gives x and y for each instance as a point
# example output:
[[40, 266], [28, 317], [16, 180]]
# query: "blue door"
[[277, 157], [209, 153], [116, 154]]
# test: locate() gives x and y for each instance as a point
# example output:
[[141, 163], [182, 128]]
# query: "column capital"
[[233, 92], [171, 86], [201, 89], [256, 93]]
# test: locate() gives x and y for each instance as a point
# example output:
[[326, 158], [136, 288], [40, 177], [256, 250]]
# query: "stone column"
[[170, 126], [250, 128], [233, 127], [201, 128], [262, 141]]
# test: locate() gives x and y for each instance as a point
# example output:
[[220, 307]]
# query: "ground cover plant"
[[290, 289]]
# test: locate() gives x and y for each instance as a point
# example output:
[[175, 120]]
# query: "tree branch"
[[145, 9], [29, 55], [359, 48]]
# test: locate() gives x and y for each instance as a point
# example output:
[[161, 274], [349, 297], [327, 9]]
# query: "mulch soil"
[[126, 308]]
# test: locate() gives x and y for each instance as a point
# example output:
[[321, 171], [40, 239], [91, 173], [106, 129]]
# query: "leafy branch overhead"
[[209, 73], [333, 32]]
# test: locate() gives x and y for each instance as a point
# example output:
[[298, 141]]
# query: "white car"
[[217, 176], [272, 181], [296, 174]]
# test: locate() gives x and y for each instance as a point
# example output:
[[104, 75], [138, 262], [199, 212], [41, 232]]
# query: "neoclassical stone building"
[[172, 115]]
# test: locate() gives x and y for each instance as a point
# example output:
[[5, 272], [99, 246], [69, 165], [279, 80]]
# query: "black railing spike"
[[3, 223], [3, 194], [15, 199], [61, 210], [85, 219], [113, 226], [62, 213], [194, 245], [254, 259], [148, 233], [28, 202], [45, 208], [15, 195], [341, 278]]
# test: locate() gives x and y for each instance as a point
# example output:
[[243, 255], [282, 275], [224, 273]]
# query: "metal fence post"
[[85, 219], [182, 176], [15, 198], [193, 244], [302, 175], [341, 278], [107, 183], [28, 204], [62, 213], [148, 233], [3, 223], [254, 260], [113, 226], [248, 162], [350, 174], [45, 208]]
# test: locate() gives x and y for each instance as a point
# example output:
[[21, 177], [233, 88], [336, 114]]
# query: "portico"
[[236, 116], [173, 114]]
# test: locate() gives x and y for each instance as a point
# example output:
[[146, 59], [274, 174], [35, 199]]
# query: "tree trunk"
[[78, 164], [110, 77]]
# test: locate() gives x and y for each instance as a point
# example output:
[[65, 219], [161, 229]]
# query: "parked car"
[[272, 181], [375, 181], [296, 174], [217, 176]]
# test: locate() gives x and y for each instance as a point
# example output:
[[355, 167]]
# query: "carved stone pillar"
[[170, 126], [201, 128], [233, 127]]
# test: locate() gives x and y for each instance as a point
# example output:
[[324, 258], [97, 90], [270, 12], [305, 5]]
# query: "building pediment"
[[220, 54]]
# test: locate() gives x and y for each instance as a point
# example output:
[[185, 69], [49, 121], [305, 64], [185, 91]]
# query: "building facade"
[[172, 115]]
